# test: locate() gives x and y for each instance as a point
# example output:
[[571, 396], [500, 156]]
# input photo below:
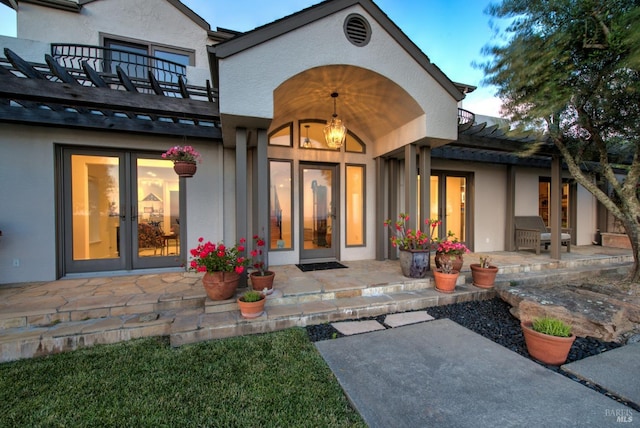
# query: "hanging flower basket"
[[184, 160], [185, 168]]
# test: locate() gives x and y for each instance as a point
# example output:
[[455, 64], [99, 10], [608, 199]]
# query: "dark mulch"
[[492, 319]]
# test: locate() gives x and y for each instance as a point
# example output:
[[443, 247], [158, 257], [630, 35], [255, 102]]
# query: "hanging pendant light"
[[307, 142], [335, 132]]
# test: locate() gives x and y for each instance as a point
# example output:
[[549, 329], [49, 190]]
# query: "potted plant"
[[483, 273], [261, 277], [548, 340], [251, 304], [222, 266], [184, 160], [450, 249], [446, 277], [414, 245]]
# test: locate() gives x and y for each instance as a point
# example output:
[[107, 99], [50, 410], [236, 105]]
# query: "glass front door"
[[319, 234], [121, 211]]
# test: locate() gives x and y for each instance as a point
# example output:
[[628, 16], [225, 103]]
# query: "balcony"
[[135, 65], [465, 117]]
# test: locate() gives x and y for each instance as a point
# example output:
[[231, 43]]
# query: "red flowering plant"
[[257, 256], [451, 246], [182, 153], [408, 239], [210, 257]]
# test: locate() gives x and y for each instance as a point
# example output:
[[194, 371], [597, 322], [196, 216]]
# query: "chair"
[[531, 232], [150, 236]]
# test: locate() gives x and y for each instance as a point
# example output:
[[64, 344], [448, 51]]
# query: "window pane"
[[355, 205], [132, 61], [312, 135], [95, 198], [158, 208], [354, 144], [280, 224], [281, 136], [172, 56]]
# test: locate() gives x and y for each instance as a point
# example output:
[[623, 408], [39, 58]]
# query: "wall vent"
[[357, 30]]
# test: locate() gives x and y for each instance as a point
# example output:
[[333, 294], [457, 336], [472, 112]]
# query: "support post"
[[425, 185], [410, 185], [381, 195], [241, 189], [555, 216], [510, 230]]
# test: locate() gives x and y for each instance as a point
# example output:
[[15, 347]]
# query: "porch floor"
[[48, 317]]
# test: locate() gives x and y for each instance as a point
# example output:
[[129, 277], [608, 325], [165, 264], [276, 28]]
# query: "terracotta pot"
[[220, 285], [456, 260], [251, 310], [185, 168], [262, 282], [483, 277], [551, 350], [414, 263], [445, 282]]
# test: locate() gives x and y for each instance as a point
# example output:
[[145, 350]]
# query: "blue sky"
[[450, 32]]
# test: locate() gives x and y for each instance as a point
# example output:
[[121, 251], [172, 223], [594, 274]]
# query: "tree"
[[571, 69]]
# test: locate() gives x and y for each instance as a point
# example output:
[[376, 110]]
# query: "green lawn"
[[277, 379]]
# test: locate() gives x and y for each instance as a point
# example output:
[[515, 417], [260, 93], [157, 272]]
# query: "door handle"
[[134, 212]]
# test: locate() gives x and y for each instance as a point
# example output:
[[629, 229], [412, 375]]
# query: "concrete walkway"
[[440, 374]]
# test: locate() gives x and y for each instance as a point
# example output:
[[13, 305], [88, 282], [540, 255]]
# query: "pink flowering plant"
[[210, 257], [451, 246], [182, 153], [408, 239], [257, 256]]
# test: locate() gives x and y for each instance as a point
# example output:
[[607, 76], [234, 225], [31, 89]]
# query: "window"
[[280, 205], [312, 137], [355, 205], [136, 57], [281, 136]]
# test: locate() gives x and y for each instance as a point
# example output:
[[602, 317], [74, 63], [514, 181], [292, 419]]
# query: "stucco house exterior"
[[86, 191]]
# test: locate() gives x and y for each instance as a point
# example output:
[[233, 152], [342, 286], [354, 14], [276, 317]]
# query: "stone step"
[[295, 297], [54, 311], [28, 342], [192, 328]]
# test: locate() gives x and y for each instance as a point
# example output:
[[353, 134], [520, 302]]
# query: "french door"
[[120, 211], [451, 203], [319, 208]]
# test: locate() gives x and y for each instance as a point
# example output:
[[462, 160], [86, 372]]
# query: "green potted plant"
[[251, 304], [452, 249], [414, 245], [261, 277], [548, 340], [221, 265], [484, 273], [184, 160], [445, 277]]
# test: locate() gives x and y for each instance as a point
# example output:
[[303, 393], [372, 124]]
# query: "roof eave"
[[304, 17]]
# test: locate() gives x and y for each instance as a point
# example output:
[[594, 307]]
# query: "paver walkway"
[[440, 374]]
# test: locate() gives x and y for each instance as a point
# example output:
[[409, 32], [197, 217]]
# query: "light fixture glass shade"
[[335, 133]]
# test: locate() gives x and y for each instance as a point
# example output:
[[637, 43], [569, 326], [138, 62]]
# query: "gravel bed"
[[492, 319]]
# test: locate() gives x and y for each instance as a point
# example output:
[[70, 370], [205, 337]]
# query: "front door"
[[319, 232], [121, 211]]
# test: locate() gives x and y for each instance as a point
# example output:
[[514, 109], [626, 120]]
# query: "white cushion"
[[547, 236]]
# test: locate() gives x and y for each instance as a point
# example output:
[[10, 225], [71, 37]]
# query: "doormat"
[[308, 267]]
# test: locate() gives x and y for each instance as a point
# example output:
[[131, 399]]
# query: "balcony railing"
[[105, 60], [465, 117], [136, 66]]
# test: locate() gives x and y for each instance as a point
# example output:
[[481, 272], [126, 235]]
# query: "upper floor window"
[[137, 57]]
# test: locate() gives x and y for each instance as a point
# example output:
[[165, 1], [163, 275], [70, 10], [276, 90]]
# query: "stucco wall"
[[248, 78], [27, 213]]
